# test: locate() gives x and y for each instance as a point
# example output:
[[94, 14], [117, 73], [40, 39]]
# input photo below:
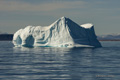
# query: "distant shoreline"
[[109, 40], [9, 37], [6, 37]]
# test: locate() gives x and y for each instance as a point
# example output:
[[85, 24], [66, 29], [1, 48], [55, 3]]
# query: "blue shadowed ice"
[[62, 33]]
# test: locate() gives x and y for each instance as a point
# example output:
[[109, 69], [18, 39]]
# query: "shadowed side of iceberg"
[[62, 33]]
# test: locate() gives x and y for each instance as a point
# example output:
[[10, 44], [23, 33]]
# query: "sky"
[[17, 14]]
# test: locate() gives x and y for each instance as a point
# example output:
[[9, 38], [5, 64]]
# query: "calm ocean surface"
[[60, 63]]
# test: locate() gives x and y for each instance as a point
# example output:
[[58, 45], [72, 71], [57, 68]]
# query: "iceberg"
[[62, 33]]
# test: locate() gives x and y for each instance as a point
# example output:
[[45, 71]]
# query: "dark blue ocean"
[[45, 63]]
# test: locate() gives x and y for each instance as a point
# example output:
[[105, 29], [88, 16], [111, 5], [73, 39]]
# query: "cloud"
[[49, 6]]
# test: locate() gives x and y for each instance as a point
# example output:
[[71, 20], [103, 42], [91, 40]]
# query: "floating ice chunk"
[[62, 33]]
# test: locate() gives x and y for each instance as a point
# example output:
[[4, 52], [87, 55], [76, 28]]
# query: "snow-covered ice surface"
[[62, 33]]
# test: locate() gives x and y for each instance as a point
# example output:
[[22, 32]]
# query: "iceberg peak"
[[62, 33], [63, 17]]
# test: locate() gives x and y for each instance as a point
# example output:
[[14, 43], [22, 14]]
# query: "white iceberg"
[[62, 33]]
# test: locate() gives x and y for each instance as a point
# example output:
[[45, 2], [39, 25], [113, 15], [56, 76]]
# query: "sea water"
[[46, 63]]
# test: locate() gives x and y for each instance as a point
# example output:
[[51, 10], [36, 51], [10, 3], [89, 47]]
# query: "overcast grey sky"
[[16, 14]]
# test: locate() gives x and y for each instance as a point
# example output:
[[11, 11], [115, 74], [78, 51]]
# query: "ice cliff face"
[[62, 33]]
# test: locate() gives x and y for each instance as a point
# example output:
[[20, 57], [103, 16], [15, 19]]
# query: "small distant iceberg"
[[62, 33]]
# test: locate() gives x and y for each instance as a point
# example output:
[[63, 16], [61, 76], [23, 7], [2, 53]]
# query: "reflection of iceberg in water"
[[56, 63], [62, 33]]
